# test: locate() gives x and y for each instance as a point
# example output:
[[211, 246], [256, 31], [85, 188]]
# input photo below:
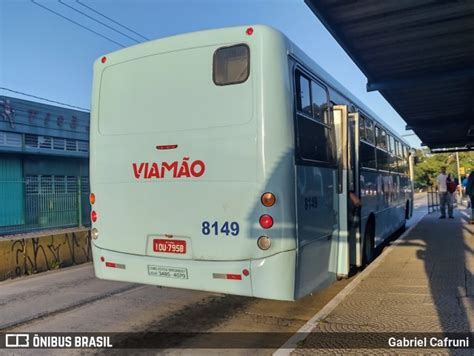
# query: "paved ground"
[[424, 284], [73, 300]]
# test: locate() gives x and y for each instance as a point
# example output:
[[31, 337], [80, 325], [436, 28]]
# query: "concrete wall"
[[28, 255]]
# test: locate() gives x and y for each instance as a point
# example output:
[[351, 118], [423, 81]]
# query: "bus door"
[[346, 125], [353, 178]]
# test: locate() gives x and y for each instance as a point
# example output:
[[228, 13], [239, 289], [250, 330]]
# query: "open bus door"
[[347, 137], [354, 212]]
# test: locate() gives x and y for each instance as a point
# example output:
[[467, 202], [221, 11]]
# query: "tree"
[[430, 164]]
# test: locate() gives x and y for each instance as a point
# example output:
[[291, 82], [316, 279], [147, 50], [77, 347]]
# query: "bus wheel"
[[369, 237]]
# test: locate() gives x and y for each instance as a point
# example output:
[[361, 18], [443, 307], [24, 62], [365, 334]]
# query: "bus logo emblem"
[[148, 170]]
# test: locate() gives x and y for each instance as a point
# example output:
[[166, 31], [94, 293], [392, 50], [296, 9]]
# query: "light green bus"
[[224, 161]]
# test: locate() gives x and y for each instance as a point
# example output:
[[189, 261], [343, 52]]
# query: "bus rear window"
[[231, 65]]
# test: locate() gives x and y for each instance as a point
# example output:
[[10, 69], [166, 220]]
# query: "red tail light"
[[266, 221], [93, 216]]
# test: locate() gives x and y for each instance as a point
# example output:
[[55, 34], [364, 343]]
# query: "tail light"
[[95, 233], [264, 242], [266, 221], [93, 216], [92, 198], [268, 199]]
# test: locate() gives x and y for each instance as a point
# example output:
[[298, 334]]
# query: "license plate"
[[169, 246], [168, 272]]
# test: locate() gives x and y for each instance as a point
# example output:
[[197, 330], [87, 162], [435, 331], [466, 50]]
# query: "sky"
[[46, 55]]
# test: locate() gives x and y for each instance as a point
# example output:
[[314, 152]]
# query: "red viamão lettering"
[[176, 169]]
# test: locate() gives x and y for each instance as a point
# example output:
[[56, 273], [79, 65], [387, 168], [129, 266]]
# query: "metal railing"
[[27, 206], [433, 200]]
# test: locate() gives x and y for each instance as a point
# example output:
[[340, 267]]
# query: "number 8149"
[[215, 228]]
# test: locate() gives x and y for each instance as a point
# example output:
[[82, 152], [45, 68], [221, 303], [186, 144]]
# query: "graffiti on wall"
[[7, 113], [33, 255]]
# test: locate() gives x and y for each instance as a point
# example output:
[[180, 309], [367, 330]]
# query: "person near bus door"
[[470, 194], [444, 196], [464, 186]]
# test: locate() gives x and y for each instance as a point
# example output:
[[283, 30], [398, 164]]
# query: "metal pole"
[[457, 162], [79, 201]]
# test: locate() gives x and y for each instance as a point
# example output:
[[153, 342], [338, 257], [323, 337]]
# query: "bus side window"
[[319, 103], [314, 132], [367, 155], [367, 150], [399, 153], [381, 138], [362, 132], [303, 95], [406, 157], [382, 154], [369, 131], [391, 149]]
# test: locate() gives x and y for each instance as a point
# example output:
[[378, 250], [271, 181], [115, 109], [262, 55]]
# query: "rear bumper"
[[271, 277]]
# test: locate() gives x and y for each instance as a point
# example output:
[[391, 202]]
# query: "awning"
[[419, 54]]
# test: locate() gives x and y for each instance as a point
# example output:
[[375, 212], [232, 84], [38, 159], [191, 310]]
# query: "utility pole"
[[457, 162]]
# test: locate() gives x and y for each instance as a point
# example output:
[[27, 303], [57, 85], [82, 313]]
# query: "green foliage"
[[430, 165], [55, 264]]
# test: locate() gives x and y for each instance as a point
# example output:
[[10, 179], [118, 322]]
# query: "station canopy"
[[418, 54]]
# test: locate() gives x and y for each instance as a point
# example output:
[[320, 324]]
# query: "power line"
[[100, 22], [76, 23], [39, 97], [112, 20]]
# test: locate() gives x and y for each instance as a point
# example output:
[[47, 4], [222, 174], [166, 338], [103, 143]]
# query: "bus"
[[228, 161]]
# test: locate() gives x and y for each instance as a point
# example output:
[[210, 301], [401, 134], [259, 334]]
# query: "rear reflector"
[[114, 265], [166, 147], [227, 276]]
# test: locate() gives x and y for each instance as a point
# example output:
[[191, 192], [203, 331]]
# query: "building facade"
[[44, 166]]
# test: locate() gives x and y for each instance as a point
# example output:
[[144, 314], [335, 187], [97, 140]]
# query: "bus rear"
[[178, 170]]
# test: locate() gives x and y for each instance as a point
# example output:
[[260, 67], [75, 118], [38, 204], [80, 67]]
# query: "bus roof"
[[194, 38]]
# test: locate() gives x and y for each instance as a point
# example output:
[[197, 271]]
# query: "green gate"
[[11, 192]]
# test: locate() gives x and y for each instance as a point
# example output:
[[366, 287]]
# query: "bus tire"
[[368, 252]]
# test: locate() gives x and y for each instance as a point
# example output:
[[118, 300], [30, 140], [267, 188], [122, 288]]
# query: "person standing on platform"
[[464, 194], [470, 194], [444, 195]]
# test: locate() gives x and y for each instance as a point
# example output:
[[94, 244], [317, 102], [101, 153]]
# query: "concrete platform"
[[422, 284]]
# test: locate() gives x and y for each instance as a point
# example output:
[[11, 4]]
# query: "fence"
[[433, 200], [43, 202]]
